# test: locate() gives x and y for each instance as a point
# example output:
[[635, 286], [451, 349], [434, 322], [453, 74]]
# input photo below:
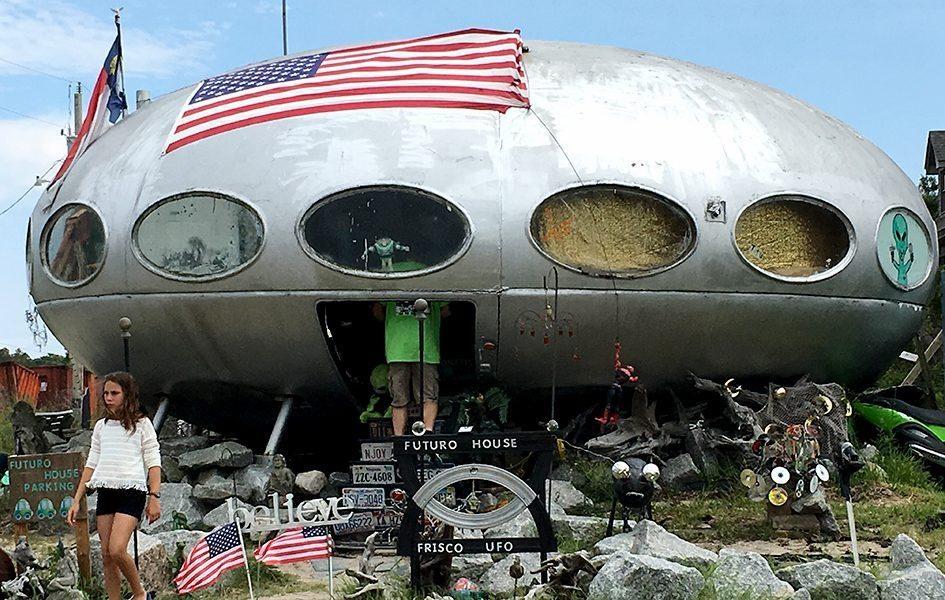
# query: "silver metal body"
[[599, 115]]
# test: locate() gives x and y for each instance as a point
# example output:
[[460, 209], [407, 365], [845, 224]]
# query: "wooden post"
[[82, 550]]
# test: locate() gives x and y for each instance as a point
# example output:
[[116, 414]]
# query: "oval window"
[[903, 248], [793, 238], [199, 235], [384, 231], [74, 245], [610, 230]]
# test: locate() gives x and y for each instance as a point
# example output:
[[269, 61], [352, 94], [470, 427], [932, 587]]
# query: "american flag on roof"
[[296, 545], [473, 68], [216, 553]]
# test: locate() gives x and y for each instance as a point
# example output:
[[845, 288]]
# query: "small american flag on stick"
[[473, 68], [296, 545], [219, 551]]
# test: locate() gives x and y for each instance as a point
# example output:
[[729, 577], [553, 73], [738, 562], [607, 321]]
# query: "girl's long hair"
[[130, 410]]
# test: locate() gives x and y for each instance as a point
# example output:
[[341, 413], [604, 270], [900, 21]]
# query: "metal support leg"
[[277, 430], [160, 415]]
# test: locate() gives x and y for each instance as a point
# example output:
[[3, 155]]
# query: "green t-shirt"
[[402, 335]]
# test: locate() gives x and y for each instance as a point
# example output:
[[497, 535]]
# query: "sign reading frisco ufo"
[[526, 495]]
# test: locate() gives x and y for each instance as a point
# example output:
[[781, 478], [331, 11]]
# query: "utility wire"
[[26, 193], [16, 64], [10, 110]]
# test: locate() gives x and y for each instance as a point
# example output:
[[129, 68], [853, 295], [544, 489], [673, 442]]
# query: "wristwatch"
[[155, 494]]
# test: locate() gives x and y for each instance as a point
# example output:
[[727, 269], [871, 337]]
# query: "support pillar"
[[160, 415], [279, 427]]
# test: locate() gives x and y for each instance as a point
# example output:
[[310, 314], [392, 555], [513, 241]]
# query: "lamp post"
[[124, 324]]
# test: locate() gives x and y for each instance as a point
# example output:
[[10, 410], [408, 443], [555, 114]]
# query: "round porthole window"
[[74, 245], [384, 231], [611, 230], [794, 238], [903, 248], [198, 236]]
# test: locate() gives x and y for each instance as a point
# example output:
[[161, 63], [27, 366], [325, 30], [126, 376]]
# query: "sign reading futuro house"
[[42, 485], [278, 516]]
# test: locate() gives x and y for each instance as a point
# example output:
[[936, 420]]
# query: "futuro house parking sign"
[[528, 495]]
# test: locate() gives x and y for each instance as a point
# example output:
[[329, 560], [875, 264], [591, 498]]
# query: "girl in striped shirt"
[[124, 466]]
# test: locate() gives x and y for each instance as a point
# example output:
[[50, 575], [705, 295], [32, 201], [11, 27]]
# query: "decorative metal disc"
[[780, 476], [748, 478], [813, 485], [777, 496], [822, 473]]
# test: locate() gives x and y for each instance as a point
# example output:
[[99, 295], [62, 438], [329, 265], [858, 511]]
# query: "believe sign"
[[42, 485]]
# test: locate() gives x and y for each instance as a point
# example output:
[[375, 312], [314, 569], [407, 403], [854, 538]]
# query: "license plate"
[[430, 472], [359, 522], [364, 497], [377, 451], [372, 473], [386, 518]]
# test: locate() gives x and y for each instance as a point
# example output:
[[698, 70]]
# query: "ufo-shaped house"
[[706, 222]]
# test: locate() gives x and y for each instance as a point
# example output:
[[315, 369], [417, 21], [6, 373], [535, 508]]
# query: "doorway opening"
[[354, 332]]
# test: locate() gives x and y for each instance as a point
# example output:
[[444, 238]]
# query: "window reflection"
[[199, 236], [384, 230], [75, 244]]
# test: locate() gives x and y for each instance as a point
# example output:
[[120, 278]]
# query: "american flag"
[[215, 554], [473, 68], [296, 545]]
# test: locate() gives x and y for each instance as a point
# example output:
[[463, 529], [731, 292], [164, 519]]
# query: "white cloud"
[[59, 38]]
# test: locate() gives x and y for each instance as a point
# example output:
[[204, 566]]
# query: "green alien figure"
[[384, 248], [45, 510], [64, 506], [900, 231], [22, 511]]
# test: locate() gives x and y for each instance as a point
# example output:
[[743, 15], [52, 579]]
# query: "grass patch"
[[267, 581]]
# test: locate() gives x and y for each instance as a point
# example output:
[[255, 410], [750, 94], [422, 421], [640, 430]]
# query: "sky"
[[870, 63]]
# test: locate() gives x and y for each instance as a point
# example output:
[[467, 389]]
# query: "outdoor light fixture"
[[552, 426], [651, 472], [620, 470], [418, 428]]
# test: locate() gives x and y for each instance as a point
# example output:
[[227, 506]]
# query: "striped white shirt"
[[121, 459]]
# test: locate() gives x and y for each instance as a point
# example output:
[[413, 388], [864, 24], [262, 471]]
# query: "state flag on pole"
[[216, 553], [296, 545], [105, 107], [473, 69]]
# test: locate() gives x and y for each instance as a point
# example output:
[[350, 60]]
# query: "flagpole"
[[331, 578], [249, 579], [121, 56]]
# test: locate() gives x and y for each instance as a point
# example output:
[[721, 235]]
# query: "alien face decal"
[[904, 248]]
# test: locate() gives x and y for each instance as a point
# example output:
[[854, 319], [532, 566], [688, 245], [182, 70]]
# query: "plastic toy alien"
[[900, 231], [384, 248]]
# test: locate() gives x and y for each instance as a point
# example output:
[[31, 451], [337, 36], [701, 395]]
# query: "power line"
[[10, 110], [26, 193], [35, 70]]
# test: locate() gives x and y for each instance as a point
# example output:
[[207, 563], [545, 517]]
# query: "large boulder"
[[681, 473], [310, 483], [171, 470], [471, 566], [816, 504], [264, 478], [153, 566], [176, 446], [81, 442], [913, 576], [565, 495], [650, 539], [213, 486], [224, 455], [221, 514], [615, 543], [584, 530], [28, 429], [179, 510], [179, 540], [497, 580], [746, 576], [826, 580], [65, 585], [632, 577], [521, 526]]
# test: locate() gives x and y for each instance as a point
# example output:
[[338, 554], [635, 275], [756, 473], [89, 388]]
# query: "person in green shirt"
[[402, 349]]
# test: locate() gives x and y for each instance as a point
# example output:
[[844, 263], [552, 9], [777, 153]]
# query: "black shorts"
[[126, 502]]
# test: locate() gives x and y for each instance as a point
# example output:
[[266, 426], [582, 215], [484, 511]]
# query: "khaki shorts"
[[401, 374]]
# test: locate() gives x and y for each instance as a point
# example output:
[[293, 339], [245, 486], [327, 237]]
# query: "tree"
[[928, 185]]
